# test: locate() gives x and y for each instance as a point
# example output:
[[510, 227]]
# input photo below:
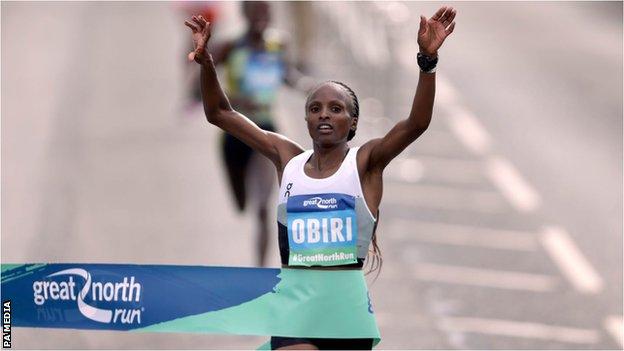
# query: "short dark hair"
[[355, 105]]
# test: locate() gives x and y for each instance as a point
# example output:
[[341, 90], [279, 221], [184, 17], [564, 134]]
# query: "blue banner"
[[124, 297], [190, 299]]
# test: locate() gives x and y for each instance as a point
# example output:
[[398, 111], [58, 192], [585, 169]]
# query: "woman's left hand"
[[433, 31]]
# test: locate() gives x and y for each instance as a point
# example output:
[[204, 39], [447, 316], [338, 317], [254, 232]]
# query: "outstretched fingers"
[[439, 13], [199, 23], [448, 17], [450, 29], [202, 20], [423, 25], [206, 26], [193, 26], [201, 35]]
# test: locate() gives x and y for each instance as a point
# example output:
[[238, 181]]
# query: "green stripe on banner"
[[11, 272], [306, 303], [6, 267]]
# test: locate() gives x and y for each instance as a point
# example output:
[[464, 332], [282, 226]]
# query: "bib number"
[[322, 230]]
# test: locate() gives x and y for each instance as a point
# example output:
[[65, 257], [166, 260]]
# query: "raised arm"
[[431, 35], [219, 112]]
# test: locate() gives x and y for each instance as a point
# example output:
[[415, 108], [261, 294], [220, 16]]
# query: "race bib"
[[322, 230]]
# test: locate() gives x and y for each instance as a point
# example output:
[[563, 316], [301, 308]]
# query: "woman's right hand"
[[201, 34]]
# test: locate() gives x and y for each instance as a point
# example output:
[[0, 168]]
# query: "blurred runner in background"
[[255, 68]]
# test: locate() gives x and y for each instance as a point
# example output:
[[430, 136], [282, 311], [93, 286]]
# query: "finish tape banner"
[[190, 299]]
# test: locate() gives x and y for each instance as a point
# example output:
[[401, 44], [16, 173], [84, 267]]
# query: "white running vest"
[[323, 222]]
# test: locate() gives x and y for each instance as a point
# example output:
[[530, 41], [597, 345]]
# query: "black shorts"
[[323, 344]]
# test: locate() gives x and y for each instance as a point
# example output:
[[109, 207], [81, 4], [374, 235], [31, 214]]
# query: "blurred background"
[[501, 227]]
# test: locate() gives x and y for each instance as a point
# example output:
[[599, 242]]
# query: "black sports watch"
[[426, 63]]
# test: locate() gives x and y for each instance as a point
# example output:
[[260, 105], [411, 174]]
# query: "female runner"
[[329, 196]]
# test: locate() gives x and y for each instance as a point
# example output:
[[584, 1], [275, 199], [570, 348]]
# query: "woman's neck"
[[328, 157]]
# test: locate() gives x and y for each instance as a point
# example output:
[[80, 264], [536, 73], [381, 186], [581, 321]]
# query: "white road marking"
[[438, 169], [442, 233], [570, 260], [468, 129], [519, 329], [445, 198], [484, 277], [509, 181], [615, 327], [453, 169]]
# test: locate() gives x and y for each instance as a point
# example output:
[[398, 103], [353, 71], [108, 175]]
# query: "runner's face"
[[328, 115], [258, 16]]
